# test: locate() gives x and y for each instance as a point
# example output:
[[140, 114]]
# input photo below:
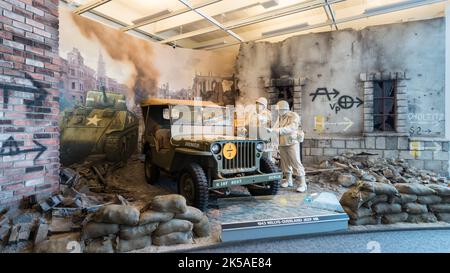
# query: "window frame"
[[382, 100]]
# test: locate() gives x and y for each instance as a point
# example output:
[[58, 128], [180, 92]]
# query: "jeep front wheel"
[[193, 185], [151, 170], [267, 188]]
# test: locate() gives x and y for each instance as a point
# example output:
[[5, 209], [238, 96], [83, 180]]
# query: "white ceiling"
[[212, 24]]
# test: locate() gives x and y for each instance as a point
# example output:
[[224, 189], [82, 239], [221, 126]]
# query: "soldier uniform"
[[287, 127]]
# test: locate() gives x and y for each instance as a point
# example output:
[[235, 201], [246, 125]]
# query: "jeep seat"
[[162, 137]]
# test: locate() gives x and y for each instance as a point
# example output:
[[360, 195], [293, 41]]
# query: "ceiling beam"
[[89, 6], [212, 20], [170, 15], [277, 13], [330, 14], [350, 19]]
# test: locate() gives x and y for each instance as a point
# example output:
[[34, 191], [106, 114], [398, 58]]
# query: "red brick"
[[11, 187], [23, 191]]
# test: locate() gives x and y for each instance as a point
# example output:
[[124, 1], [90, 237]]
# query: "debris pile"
[[348, 168], [166, 220], [386, 191]]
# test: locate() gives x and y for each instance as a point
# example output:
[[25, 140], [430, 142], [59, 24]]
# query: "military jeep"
[[194, 142]]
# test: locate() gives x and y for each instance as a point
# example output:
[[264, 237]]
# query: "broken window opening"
[[385, 105]]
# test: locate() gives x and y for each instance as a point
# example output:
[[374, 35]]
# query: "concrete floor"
[[412, 241]]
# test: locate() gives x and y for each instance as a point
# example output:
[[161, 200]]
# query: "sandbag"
[[443, 216], [445, 199], [414, 188], [415, 208], [95, 230], [440, 208], [359, 213], [60, 243], [378, 188], [132, 232], [421, 218], [174, 203], [117, 214], [100, 245], [174, 225], [383, 198], [429, 199], [394, 218], [441, 190], [191, 214], [151, 216], [133, 244], [403, 198], [354, 199], [202, 228], [386, 208], [173, 239], [369, 220]]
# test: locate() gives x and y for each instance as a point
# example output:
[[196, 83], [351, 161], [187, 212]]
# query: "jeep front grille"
[[245, 159]]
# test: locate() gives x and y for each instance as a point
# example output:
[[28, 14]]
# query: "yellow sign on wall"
[[319, 123], [414, 148], [229, 150]]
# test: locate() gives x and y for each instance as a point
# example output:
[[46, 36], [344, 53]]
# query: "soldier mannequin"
[[259, 121], [287, 127]]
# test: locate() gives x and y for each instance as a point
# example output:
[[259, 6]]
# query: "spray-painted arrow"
[[11, 148], [436, 147], [348, 122]]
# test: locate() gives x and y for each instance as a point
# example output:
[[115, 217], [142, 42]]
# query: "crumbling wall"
[[29, 100], [336, 70]]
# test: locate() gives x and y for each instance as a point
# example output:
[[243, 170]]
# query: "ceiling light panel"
[[413, 14], [131, 10]]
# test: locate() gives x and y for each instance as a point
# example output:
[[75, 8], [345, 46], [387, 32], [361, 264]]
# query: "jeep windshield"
[[194, 121]]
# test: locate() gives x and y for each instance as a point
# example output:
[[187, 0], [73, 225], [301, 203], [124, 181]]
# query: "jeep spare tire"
[[193, 185], [266, 188]]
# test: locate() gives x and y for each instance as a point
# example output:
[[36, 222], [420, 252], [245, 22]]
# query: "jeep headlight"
[[260, 146], [215, 148]]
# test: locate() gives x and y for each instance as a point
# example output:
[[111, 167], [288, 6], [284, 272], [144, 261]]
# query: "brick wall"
[[421, 153], [29, 99]]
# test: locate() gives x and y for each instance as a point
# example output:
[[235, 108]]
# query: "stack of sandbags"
[[382, 206], [172, 231], [102, 226], [417, 210], [441, 210], [354, 201], [370, 203]]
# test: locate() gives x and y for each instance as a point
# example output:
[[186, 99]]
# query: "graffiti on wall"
[[337, 103], [38, 89], [10, 147], [424, 124]]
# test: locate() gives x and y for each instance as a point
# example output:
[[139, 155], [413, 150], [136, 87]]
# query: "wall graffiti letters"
[[10, 147], [38, 90], [324, 92], [424, 123], [343, 102]]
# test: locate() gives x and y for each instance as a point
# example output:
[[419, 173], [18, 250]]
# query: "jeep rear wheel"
[[267, 188], [151, 170], [193, 185]]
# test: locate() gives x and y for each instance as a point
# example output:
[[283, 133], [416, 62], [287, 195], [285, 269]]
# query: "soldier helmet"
[[262, 101], [282, 105]]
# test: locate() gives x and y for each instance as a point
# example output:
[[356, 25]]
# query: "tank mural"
[[106, 74]]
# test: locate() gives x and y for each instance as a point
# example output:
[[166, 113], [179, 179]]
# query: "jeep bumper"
[[245, 180]]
